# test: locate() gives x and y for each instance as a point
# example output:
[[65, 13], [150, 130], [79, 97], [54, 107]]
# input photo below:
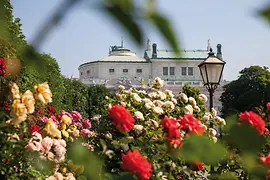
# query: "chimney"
[[148, 47], [219, 53], [154, 54]]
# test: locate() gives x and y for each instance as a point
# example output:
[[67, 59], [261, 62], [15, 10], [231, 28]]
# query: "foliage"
[[97, 100], [250, 90], [75, 96]]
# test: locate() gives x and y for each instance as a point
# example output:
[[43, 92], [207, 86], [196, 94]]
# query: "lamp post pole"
[[211, 95], [211, 71]]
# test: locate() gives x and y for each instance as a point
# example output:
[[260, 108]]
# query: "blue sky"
[[86, 34]]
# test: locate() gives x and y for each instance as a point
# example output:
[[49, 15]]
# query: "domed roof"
[[118, 53]]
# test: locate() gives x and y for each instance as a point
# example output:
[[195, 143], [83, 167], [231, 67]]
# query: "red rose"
[[172, 129], [198, 166], [254, 119], [191, 124], [34, 128], [171, 126], [268, 106], [3, 67], [268, 117], [266, 161], [137, 164], [121, 118]]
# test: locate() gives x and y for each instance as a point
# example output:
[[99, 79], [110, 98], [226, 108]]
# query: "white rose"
[[169, 104], [158, 83], [174, 100], [158, 110], [138, 129], [197, 108], [214, 139], [183, 97], [212, 132], [192, 101], [202, 98], [138, 115], [155, 123], [149, 105], [121, 87], [153, 95], [214, 112], [162, 95], [158, 103], [136, 97], [188, 109]]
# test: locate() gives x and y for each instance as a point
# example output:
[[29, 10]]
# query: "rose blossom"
[[46, 143], [188, 109], [121, 118], [138, 115], [191, 124], [202, 98], [86, 132], [66, 113], [55, 120], [183, 97], [76, 115], [198, 166], [137, 164], [86, 123], [268, 106], [172, 129], [254, 119]]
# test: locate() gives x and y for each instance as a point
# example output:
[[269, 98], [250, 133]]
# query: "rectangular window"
[[81, 73], [190, 71], [172, 71], [125, 70], [88, 71], [111, 70], [165, 71], [139, 70], [184, 71]]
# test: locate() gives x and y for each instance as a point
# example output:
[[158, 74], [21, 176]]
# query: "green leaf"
[[82, 156], [246, 138], [265, 13], [225, 176], [126, 20], [200, 148], [165, 28]]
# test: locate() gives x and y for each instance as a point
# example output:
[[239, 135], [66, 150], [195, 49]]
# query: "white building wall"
[[100, 70], [157, 68]]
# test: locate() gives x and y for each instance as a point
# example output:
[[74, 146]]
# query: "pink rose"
[[47, 143], [66, 113], [78, 125], [55, 120], [268, 106], [76, 115], [87, 124], [86, 132], [44, 119]]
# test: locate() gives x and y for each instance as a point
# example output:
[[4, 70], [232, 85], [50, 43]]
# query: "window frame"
[[182, 68], [192, 68], [111, 71], [167, 71]]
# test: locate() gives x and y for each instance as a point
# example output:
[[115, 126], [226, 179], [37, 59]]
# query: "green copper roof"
[[188, 54]]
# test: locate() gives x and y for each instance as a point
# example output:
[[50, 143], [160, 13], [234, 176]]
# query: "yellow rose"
[[65, 119], [43, 93], [52, 129], [65, 133], [63, 126], [18, 112], [29, 101], [15, 91]]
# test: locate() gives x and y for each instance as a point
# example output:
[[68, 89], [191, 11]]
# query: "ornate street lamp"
[[211, 71]]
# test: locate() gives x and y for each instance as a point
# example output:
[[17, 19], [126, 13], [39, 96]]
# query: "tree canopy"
[[250, 90]]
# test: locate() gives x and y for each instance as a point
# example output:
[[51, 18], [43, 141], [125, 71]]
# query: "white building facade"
[[123, 66]]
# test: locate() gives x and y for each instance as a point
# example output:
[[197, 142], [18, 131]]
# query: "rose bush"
[[146, 134]]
